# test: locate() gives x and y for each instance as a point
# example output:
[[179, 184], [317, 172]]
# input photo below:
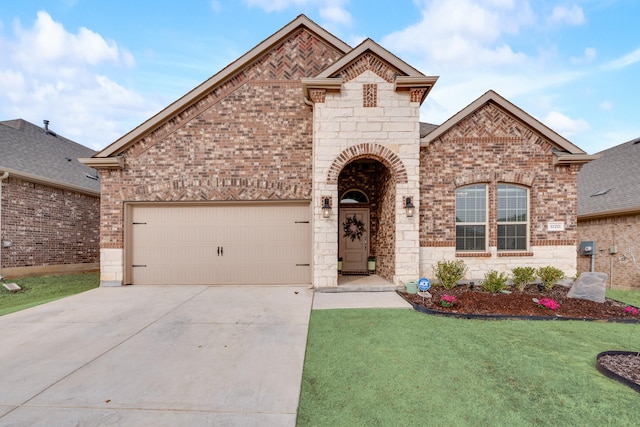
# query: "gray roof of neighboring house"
[[611, 184], [29, 151], [426, 129]]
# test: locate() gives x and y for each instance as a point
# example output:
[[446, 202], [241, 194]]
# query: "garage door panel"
[[259, 244]]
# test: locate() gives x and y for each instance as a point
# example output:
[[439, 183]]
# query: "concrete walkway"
[[156, 356]]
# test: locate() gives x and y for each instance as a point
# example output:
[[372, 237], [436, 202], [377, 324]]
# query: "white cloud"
[[564, 125], [49, 42], [464, 33], [50, 73], [332, 11], [624, 61], [572, 15], [590, 55]]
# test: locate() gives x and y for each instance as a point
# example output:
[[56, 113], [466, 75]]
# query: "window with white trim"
[[471, 218], [513, 217]]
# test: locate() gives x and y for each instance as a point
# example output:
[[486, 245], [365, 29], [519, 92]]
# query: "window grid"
[[471, 218], [513, 213]]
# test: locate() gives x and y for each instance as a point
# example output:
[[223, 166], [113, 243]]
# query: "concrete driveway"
[[156, 356]]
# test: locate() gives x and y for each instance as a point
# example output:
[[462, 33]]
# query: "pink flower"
[[548, 303], [448, 300], [631, 310]]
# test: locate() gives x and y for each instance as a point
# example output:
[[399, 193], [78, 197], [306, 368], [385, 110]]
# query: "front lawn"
[[403, 368], [43, 289]]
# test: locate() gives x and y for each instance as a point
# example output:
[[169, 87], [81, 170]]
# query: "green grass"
[[631, 297], [43, 289], [403, 368]]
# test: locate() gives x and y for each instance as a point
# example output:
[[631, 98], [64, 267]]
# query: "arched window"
[[354, 196]]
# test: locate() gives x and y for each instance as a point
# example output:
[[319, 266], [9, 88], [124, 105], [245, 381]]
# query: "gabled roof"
[[376, 49], [566, 151], [610, 185], [38, 155], [408, 78], [204, 88]]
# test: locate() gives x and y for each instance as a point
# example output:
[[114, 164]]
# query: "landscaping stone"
[[589, 286]]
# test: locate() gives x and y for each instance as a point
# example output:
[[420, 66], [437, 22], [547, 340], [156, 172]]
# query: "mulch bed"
[[477, 303]]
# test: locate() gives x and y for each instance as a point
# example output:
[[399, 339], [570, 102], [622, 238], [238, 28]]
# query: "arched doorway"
[[366, 226]]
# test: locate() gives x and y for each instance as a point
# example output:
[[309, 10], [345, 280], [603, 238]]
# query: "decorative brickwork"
[[417, 95], [369, 62], [300, 55], [490, 146], [318, 95], [370, 95], [369, 151], [250, 138], [621, 233], [47, 225]]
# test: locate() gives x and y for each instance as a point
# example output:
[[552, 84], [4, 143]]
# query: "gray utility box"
[[587, 248]]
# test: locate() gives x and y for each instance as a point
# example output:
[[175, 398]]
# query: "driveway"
[[156, 356]]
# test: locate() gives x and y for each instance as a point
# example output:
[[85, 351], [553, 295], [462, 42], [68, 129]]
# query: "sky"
[[97, 69]]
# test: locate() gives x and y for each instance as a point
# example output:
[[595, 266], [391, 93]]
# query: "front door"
[[354, 246]]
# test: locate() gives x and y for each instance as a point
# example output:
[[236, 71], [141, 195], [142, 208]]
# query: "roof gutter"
[[4, 176]]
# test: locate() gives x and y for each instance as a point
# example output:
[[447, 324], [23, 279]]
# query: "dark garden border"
[[607, 373]]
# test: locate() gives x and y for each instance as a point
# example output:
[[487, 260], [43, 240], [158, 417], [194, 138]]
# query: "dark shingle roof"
[[612, 182], [28, 149], [426, 129]]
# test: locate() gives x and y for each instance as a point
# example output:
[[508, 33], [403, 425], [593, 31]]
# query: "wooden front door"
[[354, 252]]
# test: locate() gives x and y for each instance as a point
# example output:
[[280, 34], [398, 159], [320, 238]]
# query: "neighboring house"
[[609, 214], [49, 203], [254, 176]]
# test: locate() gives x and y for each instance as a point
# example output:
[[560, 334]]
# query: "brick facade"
[[248, 139], [301, 120], [620, 233], [491, 147], [47, 226]]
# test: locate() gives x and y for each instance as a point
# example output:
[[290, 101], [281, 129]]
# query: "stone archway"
[[372, 151]]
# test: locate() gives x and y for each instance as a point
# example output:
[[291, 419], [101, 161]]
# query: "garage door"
[[244, 244]]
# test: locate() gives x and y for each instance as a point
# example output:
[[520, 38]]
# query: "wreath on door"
[[353, 228]]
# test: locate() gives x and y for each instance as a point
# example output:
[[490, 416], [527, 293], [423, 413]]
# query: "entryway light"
[[409, 207], [326, 208]]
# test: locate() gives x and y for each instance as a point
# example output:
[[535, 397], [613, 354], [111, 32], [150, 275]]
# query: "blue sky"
[[97, 69]]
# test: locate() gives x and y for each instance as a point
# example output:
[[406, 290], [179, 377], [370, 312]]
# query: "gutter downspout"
[[4, 176]]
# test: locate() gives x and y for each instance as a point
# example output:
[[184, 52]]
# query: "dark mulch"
[[477, 301]]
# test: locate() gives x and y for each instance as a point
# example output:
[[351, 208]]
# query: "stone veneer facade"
[[346, 128]]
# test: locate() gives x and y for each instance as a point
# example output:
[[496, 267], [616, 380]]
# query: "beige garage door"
[[242, 244]]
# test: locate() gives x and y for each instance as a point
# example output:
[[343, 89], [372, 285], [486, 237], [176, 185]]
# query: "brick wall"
[[249, 139], [490, 146], [623, 232], [47, 225]]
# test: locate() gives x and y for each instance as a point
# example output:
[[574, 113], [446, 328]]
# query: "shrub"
[[449, 272], [494, 282], [549, 276], [522, 276]]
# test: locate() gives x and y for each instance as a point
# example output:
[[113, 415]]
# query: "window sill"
[[515, 254], [474, 254]]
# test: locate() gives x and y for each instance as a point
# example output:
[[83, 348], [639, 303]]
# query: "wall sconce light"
[[409, 207], [326, 208]]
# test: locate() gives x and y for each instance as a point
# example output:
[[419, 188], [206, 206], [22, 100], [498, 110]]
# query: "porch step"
[[352, 287]]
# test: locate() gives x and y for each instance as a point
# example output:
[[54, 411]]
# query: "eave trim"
[[103, 162], [50, 182]]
